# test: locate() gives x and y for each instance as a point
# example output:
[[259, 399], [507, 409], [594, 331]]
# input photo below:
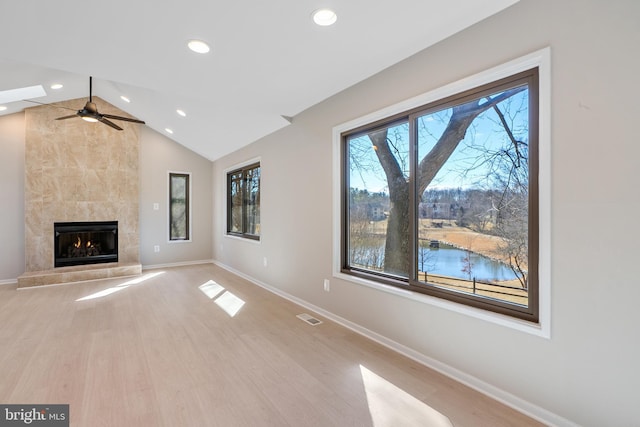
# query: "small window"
[[243, 202], [179, 206]]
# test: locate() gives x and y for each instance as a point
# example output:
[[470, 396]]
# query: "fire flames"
[[80, 249], [78, 243]]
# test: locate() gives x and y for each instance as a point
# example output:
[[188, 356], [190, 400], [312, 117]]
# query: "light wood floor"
[[162, 353]]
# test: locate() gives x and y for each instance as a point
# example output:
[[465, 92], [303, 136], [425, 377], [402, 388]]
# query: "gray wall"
[[12, 254], [158, 155], [587, 372]]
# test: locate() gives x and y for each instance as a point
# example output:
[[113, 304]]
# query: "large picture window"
[[243, 202], [443, 199], [179, 206]]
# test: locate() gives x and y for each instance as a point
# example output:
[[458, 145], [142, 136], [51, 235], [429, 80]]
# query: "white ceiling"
[[268, 59]]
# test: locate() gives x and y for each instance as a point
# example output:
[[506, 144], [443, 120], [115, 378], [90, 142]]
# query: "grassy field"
[[462, 237]]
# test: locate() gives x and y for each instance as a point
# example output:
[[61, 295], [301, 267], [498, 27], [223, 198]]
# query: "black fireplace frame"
[[60, 228]]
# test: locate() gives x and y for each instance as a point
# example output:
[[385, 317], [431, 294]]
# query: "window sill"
[[538, 329], [242, 239]]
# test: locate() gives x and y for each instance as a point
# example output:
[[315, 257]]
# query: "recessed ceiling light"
[[56, 86], [181, 113], [124, 98], [2, 108], [168, 131], [198, 46], [324, 17]]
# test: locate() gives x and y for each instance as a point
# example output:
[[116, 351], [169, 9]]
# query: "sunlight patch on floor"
[[211, 289], [389, 405], [227, 301], [125, 285]]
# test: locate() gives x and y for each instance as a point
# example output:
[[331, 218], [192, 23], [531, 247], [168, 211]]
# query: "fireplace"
[[79, 243]]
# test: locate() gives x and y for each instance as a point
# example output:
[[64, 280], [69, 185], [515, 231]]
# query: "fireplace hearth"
[[80, 243]]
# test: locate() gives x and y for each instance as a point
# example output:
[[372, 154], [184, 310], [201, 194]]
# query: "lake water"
[[446, 261], [451, 262]]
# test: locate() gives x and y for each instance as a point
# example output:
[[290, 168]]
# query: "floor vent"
[[309, 319]]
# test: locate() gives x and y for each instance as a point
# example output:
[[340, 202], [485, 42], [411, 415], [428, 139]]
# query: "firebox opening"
[[79, 243]]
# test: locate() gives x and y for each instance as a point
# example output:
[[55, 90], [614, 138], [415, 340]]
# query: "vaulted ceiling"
[[268, 60]]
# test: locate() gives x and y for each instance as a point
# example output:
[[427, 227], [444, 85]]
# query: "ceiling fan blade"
[[90, 111], [126, 119], [49, 105], [109, 123], [67, 117]]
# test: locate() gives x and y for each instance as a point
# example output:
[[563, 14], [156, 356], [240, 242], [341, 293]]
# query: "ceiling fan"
[[90, 113]]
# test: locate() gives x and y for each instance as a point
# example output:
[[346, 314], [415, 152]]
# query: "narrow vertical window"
[[179, 206], [243, 202]]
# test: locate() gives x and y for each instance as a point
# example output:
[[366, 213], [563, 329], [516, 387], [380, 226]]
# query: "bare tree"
[[467, 264], [397, 245], [426, 260]]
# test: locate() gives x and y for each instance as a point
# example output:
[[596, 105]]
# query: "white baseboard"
[[9, 282], [521, 405], [176, 264]]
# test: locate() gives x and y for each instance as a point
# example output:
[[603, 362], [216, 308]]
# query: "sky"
[[486, 133]]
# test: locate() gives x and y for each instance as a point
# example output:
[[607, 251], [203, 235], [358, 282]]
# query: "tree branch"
[[462, 117], [513, 139], [389, 163]]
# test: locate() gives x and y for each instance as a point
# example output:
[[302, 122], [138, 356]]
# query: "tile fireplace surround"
[[78, 171]]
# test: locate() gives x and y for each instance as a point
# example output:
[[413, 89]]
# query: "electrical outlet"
[[156, 206], [264, 261], [327, 285], [156, 248]]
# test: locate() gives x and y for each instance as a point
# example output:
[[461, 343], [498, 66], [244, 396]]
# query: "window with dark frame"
[[179, 206], [243, 202], [443, 199]]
